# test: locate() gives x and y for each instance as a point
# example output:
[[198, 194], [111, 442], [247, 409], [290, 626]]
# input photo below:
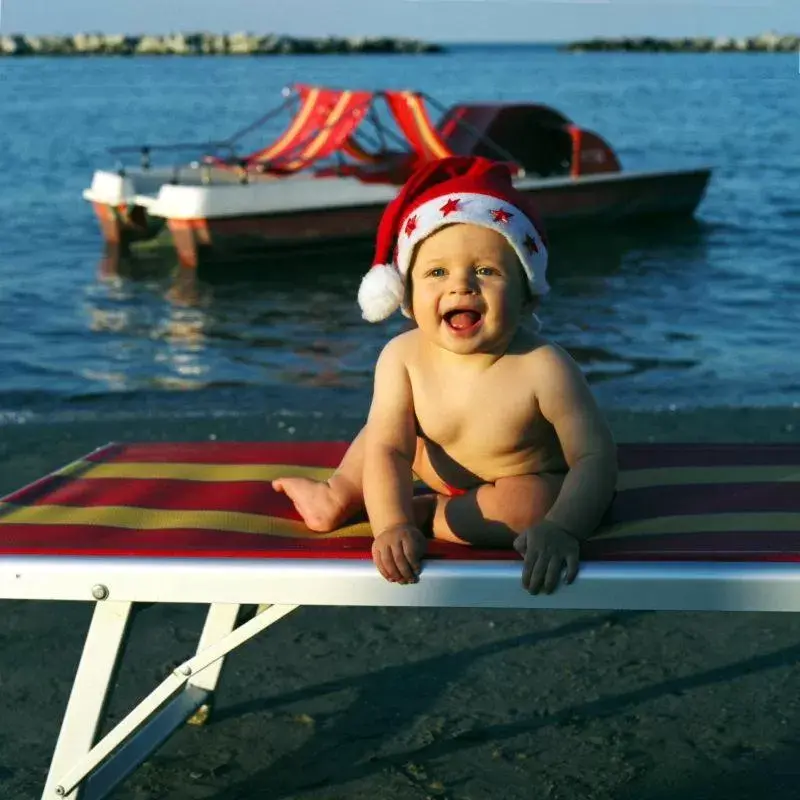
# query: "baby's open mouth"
[[462, 319]]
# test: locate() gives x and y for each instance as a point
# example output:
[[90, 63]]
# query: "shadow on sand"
[[347, 747]]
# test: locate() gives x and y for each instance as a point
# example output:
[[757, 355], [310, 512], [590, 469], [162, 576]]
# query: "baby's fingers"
[[531, 557], [572, 567], [384, 561], [536, 573], [406, 571], [377, 559], [413, 557], [553, 573]]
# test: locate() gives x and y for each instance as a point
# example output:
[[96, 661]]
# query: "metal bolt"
[[186, 670], [99, 592], [60, 791]]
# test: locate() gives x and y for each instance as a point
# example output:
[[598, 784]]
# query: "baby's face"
[[468, 293]]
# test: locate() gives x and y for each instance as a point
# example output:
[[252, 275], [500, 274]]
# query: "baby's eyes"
[[440, 272]]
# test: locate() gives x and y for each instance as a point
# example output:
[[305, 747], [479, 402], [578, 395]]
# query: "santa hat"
[[465, 189]]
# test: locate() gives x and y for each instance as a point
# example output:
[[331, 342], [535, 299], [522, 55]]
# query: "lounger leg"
[[221, 620], [156, 717], [90, 690]]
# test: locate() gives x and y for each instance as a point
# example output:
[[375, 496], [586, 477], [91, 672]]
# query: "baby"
[[495, 419]]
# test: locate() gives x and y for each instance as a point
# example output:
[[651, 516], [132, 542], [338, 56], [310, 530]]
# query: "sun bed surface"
[[687, 502]]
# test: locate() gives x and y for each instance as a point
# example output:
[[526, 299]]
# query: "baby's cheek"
[[509, 304], [422, 300]]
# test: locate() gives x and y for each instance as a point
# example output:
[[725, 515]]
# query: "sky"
[[432, 20]]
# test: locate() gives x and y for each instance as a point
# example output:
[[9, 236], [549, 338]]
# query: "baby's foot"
[[322, 508]]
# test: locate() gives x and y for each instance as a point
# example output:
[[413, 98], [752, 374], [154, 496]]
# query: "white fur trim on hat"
[[477, 209], [380, 293]]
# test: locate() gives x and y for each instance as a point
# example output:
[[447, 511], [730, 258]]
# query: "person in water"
[[498, 421]]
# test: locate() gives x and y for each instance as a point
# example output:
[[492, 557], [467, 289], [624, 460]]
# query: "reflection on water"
[[295, 326], [174, 342], [293, 322], [584, 261]]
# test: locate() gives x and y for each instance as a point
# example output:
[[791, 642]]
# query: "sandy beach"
[[415, 704]]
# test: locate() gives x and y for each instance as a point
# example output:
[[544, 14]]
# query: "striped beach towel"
[[683, 502]]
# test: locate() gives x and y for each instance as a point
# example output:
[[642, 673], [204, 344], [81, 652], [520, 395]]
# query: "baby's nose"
[[464, 284]]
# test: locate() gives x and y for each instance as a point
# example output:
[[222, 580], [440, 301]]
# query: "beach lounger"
[[693, 527]]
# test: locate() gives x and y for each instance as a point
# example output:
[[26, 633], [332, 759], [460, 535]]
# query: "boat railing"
[[378, 141], [145, 151], [224, 153]]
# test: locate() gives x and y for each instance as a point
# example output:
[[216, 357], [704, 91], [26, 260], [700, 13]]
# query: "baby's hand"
[[397, 552], [547, 548]]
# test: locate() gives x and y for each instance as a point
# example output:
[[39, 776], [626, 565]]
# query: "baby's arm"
[[390, 445], [566, 401]]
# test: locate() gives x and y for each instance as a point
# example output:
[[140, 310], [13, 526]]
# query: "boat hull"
[[203, 235]]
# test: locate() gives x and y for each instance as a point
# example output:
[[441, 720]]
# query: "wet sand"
[[435, 703]]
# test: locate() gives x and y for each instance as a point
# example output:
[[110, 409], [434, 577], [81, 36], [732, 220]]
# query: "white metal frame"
[[84, 768]]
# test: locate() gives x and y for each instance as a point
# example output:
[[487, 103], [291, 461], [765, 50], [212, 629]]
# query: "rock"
[[202, 43], [769, 42], [87, 42], [149, 45], [701, 45], [119, 45], [242, 44], [14, 46]]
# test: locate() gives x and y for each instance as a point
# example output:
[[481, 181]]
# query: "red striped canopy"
[[206, 499]]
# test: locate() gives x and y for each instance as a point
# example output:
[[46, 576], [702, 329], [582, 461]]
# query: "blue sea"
[[700, 314]]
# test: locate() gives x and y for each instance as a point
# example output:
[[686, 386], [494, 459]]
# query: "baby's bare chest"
[[499, 414]]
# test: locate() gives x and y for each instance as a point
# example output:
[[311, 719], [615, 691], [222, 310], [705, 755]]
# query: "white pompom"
[[381, 292]]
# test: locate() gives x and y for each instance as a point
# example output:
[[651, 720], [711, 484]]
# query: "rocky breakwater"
[[203, 44], [764, 43]]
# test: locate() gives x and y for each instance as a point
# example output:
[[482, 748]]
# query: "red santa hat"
[[459, 189]]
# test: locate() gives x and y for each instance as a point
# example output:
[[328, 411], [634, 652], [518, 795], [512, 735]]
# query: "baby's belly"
[[465, 468]]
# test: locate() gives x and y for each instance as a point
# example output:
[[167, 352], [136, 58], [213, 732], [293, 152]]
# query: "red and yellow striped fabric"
[[344, 117], [408, 110], [316, 104], [208, 499]]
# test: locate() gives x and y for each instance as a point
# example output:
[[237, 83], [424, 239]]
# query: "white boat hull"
[[210, 212]]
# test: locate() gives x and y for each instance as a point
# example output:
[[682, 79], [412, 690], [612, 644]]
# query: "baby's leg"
[[493, 515], [327, 505]]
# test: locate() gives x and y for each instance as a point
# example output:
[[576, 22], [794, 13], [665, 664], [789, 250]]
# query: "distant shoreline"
[[206, 44], [248, 44], [763, 43]]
